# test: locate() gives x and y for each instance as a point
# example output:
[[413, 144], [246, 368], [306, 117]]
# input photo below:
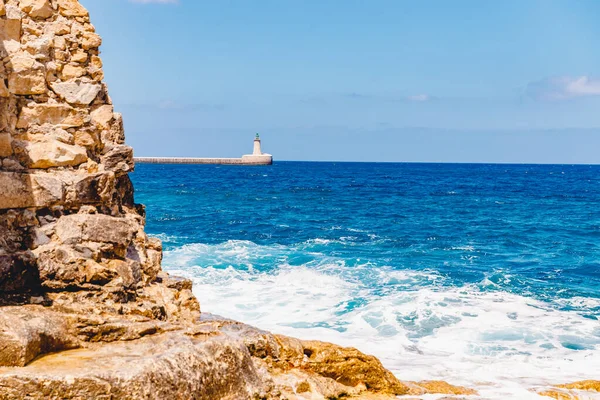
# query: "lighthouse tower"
[[257, 151], [257, 157]]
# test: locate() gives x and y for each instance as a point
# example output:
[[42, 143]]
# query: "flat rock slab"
[[170, 365]]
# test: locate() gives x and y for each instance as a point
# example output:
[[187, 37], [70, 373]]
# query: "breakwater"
[[246, 160]]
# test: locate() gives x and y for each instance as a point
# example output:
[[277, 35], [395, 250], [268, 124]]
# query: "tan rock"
[[589, 385], [19, 190], [59, 43], [10, 30], [40, 47], [59, 27], [439, 387], [91, 40], [76, 92], [28, 75], [71, 8], [349, 367], [37, 8], [102, 116], [71, 71], [138, 370], [79, 57], [56, 114], [28, 331], [94, 228], [54, 154], [3, 89], [559, 394], [2, 9], [5, 144], [119, 159]]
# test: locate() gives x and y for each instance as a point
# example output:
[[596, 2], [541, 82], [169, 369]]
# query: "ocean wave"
[[416, 322]]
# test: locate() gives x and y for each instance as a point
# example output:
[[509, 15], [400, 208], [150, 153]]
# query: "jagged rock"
[[19, 190], [102, 116], [71, 8], [54, 154], [77, 228], [37, 8], [72, 71], [25, 334], [119, 159], [61, 115], [91, 40], [28, 76], [77, 92]]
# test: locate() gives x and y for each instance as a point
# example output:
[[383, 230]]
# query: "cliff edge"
[[85, 308]]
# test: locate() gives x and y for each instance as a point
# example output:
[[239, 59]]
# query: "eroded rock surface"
[[85, 309]]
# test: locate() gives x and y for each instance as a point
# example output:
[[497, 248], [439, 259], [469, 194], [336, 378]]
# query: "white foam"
[[500, 343]]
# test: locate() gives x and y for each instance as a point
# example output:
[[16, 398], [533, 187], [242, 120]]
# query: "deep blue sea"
[[486, 275]]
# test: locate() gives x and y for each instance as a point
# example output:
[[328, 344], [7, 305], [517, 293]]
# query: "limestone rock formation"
[[85, 309]]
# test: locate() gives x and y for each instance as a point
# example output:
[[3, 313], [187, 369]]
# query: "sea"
[[481, 275]]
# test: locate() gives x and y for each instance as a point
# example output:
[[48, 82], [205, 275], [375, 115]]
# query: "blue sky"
[[378, 80]]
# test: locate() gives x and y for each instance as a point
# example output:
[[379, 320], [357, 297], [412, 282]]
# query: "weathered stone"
[[40, 47], [91, 40], [19, 190], [10, 30], [119, 159], [28, 76], [102, 116], [28, 331], [62, 115], [79, 57], [71, 8], [72, 71], [54, 154], [77, 92], [72, 229], [37, 8], [5, 144], [161, 367]]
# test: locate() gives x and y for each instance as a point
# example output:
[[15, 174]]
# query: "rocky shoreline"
[[85, 308]]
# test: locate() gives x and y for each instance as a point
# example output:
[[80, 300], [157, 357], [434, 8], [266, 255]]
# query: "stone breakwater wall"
[[247, 160]]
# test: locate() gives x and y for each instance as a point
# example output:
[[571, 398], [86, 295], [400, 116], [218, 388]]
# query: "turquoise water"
[[487, 275]]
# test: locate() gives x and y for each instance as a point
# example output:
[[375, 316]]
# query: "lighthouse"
[[257, 151], [257, 157]]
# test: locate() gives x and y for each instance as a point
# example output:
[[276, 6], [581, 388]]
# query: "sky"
[[514, 81]]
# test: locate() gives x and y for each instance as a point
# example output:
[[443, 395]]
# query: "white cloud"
[[154, 1], [419, 97], [563, 88]]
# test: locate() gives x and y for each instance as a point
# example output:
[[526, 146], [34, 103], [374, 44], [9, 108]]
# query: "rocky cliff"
[[85, 309]]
